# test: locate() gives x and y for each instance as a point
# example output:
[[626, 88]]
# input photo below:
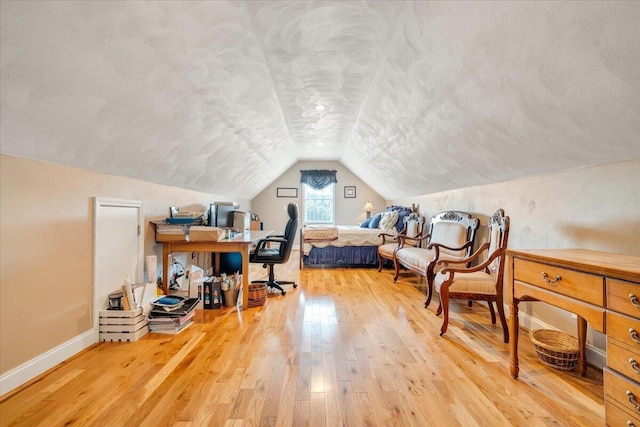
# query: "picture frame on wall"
[[349, 192], [291, 192]]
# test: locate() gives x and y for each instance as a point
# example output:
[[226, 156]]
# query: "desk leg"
[[245, 278], [582, 339], [514, 326]]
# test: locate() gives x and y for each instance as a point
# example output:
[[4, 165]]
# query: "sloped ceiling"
[[223, 96]]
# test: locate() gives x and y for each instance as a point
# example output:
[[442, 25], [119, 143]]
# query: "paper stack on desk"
[[170, 233]]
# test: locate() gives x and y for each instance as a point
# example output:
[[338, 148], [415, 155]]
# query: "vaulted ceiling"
[[225, 96]]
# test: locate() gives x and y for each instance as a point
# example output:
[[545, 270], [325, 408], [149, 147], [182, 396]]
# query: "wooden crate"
[[122, 325]]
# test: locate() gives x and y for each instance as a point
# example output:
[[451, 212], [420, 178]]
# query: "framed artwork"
[[286, 192], [349, 192]]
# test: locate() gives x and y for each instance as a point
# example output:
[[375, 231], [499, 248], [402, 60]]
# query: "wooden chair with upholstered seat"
[[450, 237], [412, 228], [483, 282]]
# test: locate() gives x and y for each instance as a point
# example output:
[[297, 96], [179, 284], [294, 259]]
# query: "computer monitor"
[[221, 214]]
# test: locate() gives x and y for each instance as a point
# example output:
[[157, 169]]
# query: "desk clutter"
[[223, 292], [221, 221], [171, 314], [125, 319], [190, 232], [135, 310], [212, 292]]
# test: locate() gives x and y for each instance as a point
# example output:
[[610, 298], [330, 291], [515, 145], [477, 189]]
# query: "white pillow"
[[388, 221]]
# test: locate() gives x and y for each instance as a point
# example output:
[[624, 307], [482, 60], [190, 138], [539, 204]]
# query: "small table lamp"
[[368, 207]]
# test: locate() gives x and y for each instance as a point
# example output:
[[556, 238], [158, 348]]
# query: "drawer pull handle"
[[634, 365], [634, 300], [634, 335], [633, 400], [546, 278]]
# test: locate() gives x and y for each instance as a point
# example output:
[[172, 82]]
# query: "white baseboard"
[[595, 356], [36, 366]]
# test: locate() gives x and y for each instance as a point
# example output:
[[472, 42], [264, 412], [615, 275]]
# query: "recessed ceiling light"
[[320, 144], [320, 107]]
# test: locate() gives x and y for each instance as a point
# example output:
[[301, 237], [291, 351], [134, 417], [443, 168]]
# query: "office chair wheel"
[[295, 285], [283, 292]]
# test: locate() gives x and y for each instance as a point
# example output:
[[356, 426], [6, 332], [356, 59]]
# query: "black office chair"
[[269, 256]]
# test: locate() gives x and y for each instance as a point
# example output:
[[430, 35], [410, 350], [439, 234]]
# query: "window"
[[318, 204]]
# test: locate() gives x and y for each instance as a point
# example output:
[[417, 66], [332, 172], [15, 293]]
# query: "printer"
[[241, 220]]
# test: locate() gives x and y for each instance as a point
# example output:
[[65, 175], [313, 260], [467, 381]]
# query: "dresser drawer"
[[623, 297], [624, 329], [624, 392], [617, 417], [578, 285], [623, 360]]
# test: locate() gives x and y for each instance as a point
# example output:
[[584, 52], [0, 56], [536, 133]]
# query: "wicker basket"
[[556, 349], [257, 294]]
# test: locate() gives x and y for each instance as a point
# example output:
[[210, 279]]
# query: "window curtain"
[[318, 178]]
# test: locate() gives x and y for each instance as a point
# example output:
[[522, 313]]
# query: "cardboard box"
[[170, 232], [206, 234], [160, 238]]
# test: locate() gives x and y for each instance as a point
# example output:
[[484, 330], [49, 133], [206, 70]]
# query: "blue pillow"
[[375, 221], [401, 216], [365, 223]]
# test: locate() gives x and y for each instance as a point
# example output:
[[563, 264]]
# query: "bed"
[[350, 245]]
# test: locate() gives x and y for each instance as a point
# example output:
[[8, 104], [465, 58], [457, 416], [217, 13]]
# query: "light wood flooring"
[[347, 347]]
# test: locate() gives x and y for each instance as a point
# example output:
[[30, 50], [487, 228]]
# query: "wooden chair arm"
[[440, 245], [402, 239], [437, 246], [478, 267], [470, 258], [385, 235]]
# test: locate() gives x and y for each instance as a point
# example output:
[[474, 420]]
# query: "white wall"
[[593, 208], [272, 209]]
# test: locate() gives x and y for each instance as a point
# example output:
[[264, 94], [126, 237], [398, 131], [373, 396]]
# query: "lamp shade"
[[368, 207]]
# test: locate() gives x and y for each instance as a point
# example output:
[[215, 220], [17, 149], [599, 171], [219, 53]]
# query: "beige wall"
[[46, 229], [594, 208], [46, 246], [272, 210]]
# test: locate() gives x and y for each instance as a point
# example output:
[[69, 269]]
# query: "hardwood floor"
[[347, 347]]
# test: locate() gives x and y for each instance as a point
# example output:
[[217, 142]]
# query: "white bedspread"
[[349, 235]]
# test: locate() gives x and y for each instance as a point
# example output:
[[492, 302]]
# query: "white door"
[[118, 249]]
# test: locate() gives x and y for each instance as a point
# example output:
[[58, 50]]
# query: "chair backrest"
[[413, 225], [498, 238], [290, 231], [453, 229]]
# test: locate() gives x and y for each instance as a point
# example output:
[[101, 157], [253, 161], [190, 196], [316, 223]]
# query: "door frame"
[[100, 202]]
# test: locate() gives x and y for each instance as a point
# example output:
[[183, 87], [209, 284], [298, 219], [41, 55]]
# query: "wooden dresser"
[[622, 374], [603, 290]]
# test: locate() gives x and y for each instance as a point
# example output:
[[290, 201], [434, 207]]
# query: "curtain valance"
[[318, 178]]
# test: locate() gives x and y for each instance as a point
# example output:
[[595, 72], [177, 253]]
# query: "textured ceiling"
[[420, 97]]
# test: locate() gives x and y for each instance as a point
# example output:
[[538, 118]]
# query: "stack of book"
[[171, 314]]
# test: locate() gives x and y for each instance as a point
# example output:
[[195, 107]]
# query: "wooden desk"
[[577, 280], [241, 243]]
